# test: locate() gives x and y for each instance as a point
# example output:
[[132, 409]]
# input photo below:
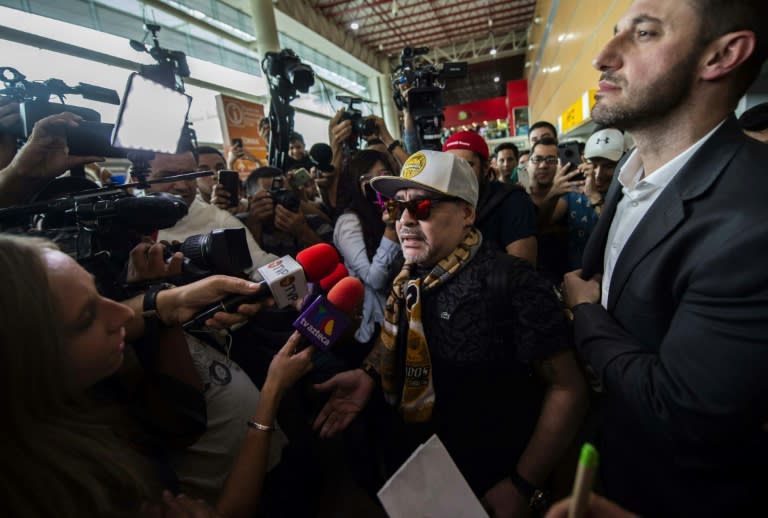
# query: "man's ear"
[[469, 215], [724, 55]]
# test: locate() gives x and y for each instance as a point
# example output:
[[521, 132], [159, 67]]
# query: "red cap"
[[467, 140], [318, 261], [347, 294]]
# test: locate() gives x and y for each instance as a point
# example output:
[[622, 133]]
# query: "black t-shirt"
[[512, 219]]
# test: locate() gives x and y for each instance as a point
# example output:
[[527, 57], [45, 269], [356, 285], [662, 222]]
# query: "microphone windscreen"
[[326, 283], [159, 210], [347, 294], [318, 261]]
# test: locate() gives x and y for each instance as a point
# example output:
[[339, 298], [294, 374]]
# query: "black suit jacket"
[[682, 350]]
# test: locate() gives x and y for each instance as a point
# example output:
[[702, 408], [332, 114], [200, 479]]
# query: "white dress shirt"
[[640, 192]]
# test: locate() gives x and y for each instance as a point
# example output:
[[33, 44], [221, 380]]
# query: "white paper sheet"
[[429, 485]]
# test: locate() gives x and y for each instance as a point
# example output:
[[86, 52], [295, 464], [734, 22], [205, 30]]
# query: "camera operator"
[[340, 131], [201, 217], [410, 137], [383, 141], [276, 217], [44, 157]]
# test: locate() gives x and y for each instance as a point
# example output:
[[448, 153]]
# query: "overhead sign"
[[579, 112]]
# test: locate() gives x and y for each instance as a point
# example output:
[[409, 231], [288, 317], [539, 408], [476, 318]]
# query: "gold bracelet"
[[259, 426]]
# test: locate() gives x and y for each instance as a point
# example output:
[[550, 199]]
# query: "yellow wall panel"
[[564, 71]]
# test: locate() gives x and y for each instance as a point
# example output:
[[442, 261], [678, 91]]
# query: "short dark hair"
[[507, 145], [544, 141], [720, 17], [296, 136], [208, 150], [544, 124], [266, 171]]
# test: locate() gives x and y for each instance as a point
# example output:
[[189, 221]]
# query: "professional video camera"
[[361, 126], [155, 87], [222, 251], [286, 75], [425, 97], [91, 138], [97, 227], [100, 226]]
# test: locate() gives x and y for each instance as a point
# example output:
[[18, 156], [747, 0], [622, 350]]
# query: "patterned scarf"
[[418, 395]]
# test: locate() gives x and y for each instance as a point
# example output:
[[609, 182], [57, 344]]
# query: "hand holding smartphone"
[[569, 154], [231, 182]]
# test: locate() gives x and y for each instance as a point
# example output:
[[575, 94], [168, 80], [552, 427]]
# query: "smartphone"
[[569, 154], [231, 182]]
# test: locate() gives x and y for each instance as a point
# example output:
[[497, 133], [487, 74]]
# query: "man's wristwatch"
[[149, 305], [393, 145], [371, 371], [537, 500]]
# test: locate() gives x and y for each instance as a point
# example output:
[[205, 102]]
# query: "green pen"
[[585, 476]]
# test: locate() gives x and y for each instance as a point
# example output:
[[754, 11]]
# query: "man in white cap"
[[579, 191], [474, 346]]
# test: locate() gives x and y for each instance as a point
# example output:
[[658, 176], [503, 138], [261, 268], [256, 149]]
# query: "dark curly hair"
[[349, 198]]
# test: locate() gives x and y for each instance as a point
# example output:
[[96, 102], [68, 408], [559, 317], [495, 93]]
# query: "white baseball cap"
[[607, 143], [433, 171]]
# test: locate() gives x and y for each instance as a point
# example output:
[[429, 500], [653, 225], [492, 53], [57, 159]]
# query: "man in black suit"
[[671, 307]]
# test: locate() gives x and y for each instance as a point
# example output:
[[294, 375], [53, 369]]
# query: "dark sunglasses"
[[419, 208]]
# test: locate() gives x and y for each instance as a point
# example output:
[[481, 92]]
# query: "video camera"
[[286, 75], [100, 226], [361, 126], [142, 126], [93, 137], [425, 96]]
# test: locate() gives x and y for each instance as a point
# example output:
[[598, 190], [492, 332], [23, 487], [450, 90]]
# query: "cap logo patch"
[[414, 165]]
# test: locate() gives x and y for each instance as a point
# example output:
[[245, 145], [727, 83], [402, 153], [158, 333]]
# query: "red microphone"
[[318, 261], [330, 281], [347, 294], [325, 320], [286, 279]]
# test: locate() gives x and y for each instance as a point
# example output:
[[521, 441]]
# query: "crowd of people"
[[516, 304]]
